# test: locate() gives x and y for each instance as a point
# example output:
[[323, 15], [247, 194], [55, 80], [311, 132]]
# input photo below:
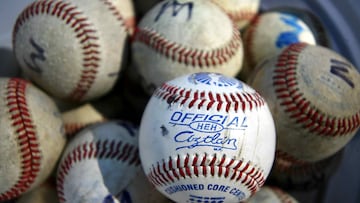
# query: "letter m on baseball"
[[176, 8], [341, 69], [35, 56]]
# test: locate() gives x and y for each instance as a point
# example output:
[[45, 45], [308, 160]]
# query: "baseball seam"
[[288, 165], [187, 55], [285, 162], [168, 171], [288, 158], [101, 149], [299, 108], [223, 101], [118, 16], [26, 136], [297, 169]]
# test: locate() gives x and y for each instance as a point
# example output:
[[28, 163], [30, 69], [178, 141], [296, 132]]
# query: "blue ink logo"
[[214, 79], [176, 8], [130, 127], [180, 188], [287, 38], [206, 126], [200, 199], [215, 140], [204, 130]]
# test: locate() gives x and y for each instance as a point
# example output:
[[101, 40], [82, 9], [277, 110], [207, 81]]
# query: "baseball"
[[73, 49], [80, 117], [45, 193], [207, 137], [98, 163], [240, 11], [268, 34], [32, 137], [271, 194], [178, 37], [299, 175], [314, 96]]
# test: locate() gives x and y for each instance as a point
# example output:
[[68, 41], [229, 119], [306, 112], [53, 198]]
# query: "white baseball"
[[206, 136], [240, 11], [268, 34], [314, 96], [178, 37], [271, 194], [73, 49], [32, 137], [98, 163]]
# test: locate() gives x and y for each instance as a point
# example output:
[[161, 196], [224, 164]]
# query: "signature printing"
[[190, 140]]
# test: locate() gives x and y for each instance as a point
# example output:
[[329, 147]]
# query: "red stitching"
[[188, 55], [26, 136], [290, 166], [176, 168], [85, 33], [285, 161], [118, 15], [226, 101], [102, 149], [298, 107]]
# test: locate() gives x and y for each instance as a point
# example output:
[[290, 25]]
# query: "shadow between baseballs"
[[9, 67]]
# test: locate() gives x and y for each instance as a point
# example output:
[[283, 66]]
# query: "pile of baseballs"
[[170, 101]]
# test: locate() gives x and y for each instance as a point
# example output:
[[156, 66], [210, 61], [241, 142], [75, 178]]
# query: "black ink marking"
[[34, 56], [164, 131], [125, 197], [114, 74], [170, 100], [176, 8], [128, 126], [341, 69]]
